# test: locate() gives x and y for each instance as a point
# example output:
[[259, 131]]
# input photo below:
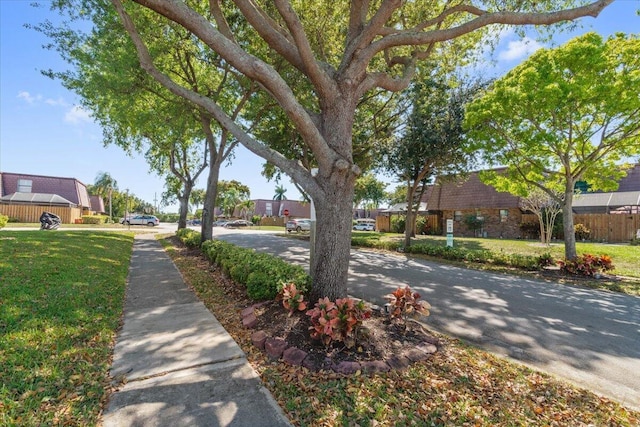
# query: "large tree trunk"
[[330, 266], [567, 218], [184, 205], [411, 219], [209, 205], [333, 200]]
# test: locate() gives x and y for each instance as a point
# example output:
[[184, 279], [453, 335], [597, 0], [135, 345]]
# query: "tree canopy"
[[336, 54], [432, 142], [564, 115]]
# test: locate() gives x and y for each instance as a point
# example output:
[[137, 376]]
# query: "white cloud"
[[56, 102], [519, 49], [27, 97], [77, 115], [37, 99]]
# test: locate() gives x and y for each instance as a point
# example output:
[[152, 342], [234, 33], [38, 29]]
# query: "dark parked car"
[[238, 224]]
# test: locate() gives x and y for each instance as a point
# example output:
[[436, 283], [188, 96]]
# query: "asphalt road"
[[589, 337]]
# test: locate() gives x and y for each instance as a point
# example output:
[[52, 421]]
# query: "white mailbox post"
[[450, 233]]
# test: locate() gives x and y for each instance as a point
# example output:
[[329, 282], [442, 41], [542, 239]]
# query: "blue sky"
[[44, 132]]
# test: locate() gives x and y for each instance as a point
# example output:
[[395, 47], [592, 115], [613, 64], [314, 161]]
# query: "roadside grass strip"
[[61, 299]]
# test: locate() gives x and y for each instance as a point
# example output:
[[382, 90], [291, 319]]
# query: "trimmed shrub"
[[94, 219], [271, 272], [3, 220], [189, 237], [259, 286]]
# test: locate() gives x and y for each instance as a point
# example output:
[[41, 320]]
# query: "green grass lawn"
[[61, 298]]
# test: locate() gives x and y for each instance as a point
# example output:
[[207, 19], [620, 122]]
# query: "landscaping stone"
[[274, 347], [416, 355], [316, 365], [398, 362], [247, 312], [249, 321], [427, 348], [375, 366], [258, 339], [294, 356], [346, 367]]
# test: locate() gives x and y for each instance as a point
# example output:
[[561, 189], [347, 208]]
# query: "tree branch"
[[324, 85], [296, 171], [412, 38]]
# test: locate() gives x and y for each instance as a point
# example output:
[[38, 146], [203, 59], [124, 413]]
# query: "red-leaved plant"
[[587, 265], [291, 298], [337, 321], [404, 302]]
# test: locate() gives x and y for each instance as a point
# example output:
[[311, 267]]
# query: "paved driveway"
[[589, 337]]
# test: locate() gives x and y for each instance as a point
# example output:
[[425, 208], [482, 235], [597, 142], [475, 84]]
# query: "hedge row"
[[527, 262], [262, 274]]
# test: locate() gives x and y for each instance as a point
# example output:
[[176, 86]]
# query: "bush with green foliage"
[[262, 274], [473, 223], [398, 224], [95, 219], [3, 220], [189, 237], [582, 232], [530, 230], [169, 217], [484, 256], [374, 240]]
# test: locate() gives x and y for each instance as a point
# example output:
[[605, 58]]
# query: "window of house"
[[24, 185], [504, 214], [457, 215], [268, 209]]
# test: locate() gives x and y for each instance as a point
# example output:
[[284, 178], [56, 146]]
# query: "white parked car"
[[148, 220], [365, 224], [298, 225]]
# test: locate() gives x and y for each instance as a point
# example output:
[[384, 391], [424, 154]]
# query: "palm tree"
[[279, 196], [104, 185], [245, 207]]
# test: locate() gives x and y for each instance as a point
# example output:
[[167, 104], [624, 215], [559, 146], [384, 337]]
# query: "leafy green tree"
[[246, 208], [178, 138], [397, 195], [343, 52], [197, 197], [432, 142], [564, 115], [369, 192], [230, 195]]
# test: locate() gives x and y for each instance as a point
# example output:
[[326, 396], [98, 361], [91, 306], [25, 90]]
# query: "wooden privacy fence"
[[383, 223], [31, 213], [612, 228]]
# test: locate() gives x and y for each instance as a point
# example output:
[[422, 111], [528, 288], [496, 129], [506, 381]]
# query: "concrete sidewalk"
[[178, 365]]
